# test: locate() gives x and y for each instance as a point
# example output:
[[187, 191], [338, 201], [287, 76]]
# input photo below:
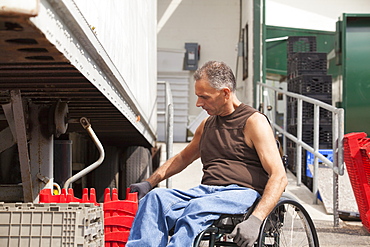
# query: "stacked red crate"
[[356, 157], [118, 217], [118, 214], [46, 196], [365, 154]]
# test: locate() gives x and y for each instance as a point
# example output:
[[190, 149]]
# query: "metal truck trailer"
[[64, 60]]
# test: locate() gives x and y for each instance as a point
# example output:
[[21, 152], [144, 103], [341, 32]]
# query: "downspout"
[[256, 48], [263, 41]]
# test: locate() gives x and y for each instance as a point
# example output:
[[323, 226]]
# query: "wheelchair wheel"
[[288, 224]]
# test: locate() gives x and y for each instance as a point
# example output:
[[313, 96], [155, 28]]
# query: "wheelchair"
[[288, 224]]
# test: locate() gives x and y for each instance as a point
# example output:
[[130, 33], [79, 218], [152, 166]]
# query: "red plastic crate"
[[46, 196], [357, 166], [365, 154], [118, 217]]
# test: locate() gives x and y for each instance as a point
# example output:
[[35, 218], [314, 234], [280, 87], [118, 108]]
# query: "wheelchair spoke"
[[288, 225]]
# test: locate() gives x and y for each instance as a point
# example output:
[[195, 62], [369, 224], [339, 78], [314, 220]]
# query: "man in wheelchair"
[[241, 163]]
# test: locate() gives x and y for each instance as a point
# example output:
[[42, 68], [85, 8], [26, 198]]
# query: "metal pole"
[[335, 199], [259, 89], [274, 111], [335, 166], [285, 125], [316, 149], [340, 141], [338, 132], [299, 146], [166, 116], [265, 94], [169, 127]]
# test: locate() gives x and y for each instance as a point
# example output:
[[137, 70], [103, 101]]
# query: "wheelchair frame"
[[288, 224]]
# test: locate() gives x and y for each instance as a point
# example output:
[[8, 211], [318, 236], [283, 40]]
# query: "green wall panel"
[[356, 72], [276, 51]]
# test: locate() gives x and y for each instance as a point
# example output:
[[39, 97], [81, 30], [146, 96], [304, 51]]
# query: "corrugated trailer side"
[[63, 60]]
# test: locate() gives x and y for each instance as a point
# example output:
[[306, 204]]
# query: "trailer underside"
[[31, 64]]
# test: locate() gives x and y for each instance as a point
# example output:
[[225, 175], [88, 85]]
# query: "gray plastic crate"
[[51, 224]]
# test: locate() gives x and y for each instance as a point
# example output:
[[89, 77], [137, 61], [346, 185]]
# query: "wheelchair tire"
[[288, 225]]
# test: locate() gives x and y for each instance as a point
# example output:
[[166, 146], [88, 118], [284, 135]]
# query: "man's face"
[[209, 98]]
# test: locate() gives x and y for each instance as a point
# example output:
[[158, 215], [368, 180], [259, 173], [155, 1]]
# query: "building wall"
[[213, 24]]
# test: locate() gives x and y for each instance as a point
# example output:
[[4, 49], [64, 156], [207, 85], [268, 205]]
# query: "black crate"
[[326, 117], [291, 99], [321, 97], [292, 129], [291, 85], [291, 106], [311, 85], [301, 44], [307, 63], [291, 114], [291, 164], [292, 158], [325, 134]]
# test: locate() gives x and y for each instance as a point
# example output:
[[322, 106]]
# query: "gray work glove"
[[246, 232], [141, 188]]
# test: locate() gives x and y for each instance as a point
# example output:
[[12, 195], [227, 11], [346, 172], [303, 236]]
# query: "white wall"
[[213, 24], [313, 14]]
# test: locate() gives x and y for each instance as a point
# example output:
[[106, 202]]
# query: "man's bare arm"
[[258, 134], [180, 161]]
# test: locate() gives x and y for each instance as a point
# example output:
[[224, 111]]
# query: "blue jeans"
[[188, 212]]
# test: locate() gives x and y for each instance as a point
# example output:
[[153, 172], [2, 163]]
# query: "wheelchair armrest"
[[229, 220]]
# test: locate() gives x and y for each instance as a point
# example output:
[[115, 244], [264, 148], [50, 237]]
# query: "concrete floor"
[[349, 233]]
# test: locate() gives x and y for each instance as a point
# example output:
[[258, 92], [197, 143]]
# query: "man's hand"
[[141, 188], [246, 232]]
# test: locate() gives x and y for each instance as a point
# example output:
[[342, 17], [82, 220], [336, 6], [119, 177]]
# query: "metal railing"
[[169, 119], [338, 131]]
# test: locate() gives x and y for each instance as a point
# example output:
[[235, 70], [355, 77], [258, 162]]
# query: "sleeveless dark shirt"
[[226, 158]]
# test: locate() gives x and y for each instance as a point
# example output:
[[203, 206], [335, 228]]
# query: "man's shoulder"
[[258, 118]]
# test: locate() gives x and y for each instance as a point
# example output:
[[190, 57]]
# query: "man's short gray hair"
[[218, 74]]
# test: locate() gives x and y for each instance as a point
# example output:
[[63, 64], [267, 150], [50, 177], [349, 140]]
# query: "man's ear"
[[226, 92]]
